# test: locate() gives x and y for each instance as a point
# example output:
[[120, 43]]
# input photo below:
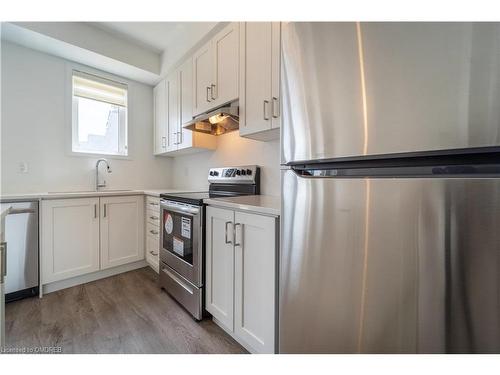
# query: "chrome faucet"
[[108, 168]]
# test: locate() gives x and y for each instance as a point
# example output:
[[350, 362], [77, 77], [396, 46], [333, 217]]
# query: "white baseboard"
[[63, 284]]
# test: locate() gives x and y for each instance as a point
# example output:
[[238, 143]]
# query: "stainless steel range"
[[182, 237]]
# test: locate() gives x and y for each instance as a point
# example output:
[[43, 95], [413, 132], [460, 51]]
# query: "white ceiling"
[[159, 36]]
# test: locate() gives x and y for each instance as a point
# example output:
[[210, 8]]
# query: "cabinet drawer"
[[152, 252], [153, 230], [152, 247], [153, 203], [153, 217]]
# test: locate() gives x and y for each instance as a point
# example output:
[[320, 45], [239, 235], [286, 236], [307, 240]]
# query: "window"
[[99, 115]]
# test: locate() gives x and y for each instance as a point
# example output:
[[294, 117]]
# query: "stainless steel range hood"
[[217, 122]]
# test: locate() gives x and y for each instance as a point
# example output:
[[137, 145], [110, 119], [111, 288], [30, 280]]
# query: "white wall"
[[191, 171], [34, 130]]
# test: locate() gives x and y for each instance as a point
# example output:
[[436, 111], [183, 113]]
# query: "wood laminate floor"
[[126, 313]]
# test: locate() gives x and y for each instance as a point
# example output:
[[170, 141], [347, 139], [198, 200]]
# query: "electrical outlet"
[[23, 167]]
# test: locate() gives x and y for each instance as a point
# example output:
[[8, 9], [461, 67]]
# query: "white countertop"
[[264, 204], [89, 193]]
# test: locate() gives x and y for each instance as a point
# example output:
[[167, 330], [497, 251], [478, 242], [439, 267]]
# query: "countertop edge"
[[104, 193], [243, 207]]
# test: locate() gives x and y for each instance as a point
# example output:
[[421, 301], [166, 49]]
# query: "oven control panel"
[[243, 174]]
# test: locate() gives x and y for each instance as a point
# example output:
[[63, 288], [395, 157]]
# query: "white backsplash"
[[191, 171]]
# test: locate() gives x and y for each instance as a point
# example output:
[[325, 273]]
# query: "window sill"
[[92, 155]]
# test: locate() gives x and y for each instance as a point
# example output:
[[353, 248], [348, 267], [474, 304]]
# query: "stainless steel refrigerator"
[[390, 188]]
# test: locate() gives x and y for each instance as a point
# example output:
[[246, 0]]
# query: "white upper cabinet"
[[186, 103], [173, 113], [178, 101], [259, 88], [203, 65], [122, 230], [69, 238], [216, 70], [226, 50], [160, 118]]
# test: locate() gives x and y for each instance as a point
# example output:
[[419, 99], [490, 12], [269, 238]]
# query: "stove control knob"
[[211, 173], [243, 172], [249, 172], [216, 173], [238, 172]]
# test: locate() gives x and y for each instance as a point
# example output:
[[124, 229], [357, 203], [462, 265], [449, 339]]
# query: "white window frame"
[[71, 112]]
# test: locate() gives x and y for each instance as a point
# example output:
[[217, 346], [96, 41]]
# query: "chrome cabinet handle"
[[153, 204], [3, 256], [208, 89], [155, 232], [264, 108], [153, 253], [181, 135], [154, 217], [275, 100], [105, 210], [212, 88], [234, 234], [163, 141], [228, 242], [95, 210]]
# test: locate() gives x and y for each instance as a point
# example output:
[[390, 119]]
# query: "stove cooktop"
[[195, 198]]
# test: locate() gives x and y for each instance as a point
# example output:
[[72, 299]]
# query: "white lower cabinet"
[[85, 235], [152, 225], [241, 292], [122, 230], [69, 238], [220, 266]]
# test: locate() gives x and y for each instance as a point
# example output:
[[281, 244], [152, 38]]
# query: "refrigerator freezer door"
[[389, 265], [379, 88]]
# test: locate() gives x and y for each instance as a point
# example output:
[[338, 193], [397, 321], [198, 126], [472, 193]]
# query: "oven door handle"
[[179, 210], [178, 280]]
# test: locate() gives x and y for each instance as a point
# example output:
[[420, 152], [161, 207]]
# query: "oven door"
[[181, 239]]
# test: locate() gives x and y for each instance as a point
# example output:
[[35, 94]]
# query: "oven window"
[[178, 235]]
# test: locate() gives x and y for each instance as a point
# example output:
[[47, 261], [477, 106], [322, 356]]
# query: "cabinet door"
[[173, 114], [122, 230], [220, 265], [275, 75], [255, 98], [203, 67], [69, 238], [226, 65], [186, 102], [254, 280], [160, 118]]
